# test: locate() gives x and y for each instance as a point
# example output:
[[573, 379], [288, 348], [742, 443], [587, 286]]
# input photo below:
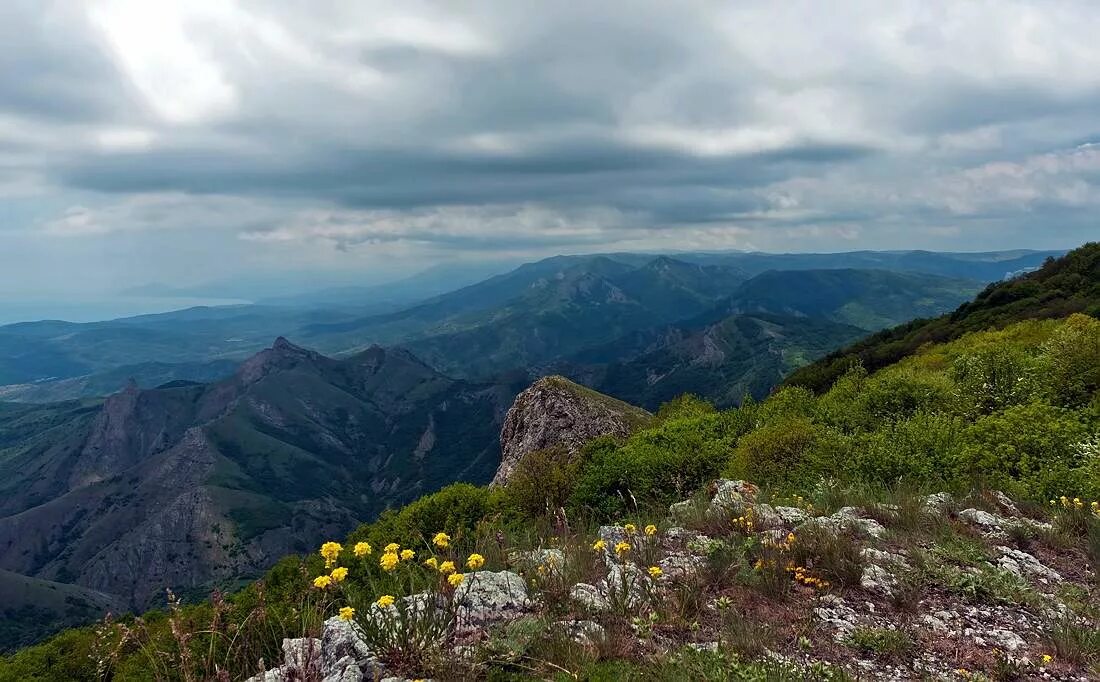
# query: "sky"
[[183, 143]]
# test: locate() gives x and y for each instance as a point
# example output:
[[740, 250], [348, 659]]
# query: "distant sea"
[[95, 310]]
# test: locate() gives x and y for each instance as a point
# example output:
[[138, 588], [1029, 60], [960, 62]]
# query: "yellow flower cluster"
[[322, 581], [347, 613], [599, 546], [655, 572], [1076, 503], [475, 562], [339, 574], [392, 548], [447, 567], [745, 522], [442, 540], [330, 551], [432, 563], [361, 549], [455, 579], [651, 530], [630, 529], [389, 561], [622, 548], [407, 554], [803, 575], [385, 601]]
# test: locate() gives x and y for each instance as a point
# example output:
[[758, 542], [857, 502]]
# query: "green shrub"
[[1026, 449], [793, 452], [1071, 370], [541, 482], [456, 509], [992, 379], [656, 466]]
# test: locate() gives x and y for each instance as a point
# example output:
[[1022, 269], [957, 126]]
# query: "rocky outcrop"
[[557, 413]]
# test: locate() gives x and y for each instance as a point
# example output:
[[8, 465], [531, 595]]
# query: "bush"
[[542, 482], [456, 509], [656, 466], [1028, 450], [992, 379], [1071, 371], [917, 451], [787, 453]]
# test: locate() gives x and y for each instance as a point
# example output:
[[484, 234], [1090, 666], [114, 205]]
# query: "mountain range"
[[191, 484], [219, 456]]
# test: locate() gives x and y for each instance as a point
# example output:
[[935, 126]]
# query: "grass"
[[880, 642], [1075, 642]]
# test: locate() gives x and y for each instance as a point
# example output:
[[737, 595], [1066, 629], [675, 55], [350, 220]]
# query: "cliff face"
[[555, 412]]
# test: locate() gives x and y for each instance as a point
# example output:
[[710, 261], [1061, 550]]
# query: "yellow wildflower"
[[331, 550], [598, 546], [392, 548], [651, 530], [630, 529], [622, 548], [407, 554], [447, 567], [655, 572], [442, 540], [362, 549], [347, 613], [1047, 658], [790, 538], [385, 601], [338, 574], [322, 581], [432, 563], [455, 579], [389, 561], [475, 562]]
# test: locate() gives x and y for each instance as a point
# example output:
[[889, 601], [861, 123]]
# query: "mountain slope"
[[145, 375], [578, 307], [738, 356], [869, 299], [185, 485], [1060, 287], [31, 609]]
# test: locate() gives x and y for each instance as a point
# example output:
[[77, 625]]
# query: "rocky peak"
[[282, 355], [555, 412]]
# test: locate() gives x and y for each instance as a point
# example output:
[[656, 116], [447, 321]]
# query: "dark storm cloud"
[[492, 125]]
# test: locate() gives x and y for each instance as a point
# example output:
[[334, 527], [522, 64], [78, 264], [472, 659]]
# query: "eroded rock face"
[[557, 413]]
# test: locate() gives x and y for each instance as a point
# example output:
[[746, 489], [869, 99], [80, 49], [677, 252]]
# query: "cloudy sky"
[[183, 142]]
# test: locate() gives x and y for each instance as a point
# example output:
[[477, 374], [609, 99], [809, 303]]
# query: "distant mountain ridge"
[[189, 485], [49, 351]]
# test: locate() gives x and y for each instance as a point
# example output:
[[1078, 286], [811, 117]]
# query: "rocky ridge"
[[555, 412]]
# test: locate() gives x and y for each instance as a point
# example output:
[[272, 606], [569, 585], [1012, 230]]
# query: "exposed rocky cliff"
[[555, 412]]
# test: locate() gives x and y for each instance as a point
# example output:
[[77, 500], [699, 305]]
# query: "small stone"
[[588, 597], [584, 632], [937, 503], [792, 516], [1005, 503], [984, 519]]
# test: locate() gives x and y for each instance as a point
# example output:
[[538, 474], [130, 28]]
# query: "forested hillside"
[[1060, 287]]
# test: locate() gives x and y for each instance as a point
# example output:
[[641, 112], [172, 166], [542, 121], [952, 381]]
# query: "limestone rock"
[[486, 597], [557, 413]]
